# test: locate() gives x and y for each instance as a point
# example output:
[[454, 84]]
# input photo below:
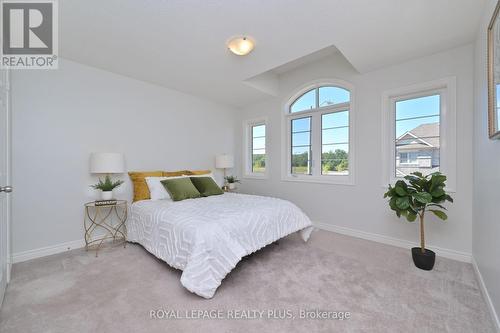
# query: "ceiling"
[[180, 44]]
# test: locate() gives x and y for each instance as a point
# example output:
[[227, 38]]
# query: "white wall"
[[486, 226], [362, 207], [61, 116]]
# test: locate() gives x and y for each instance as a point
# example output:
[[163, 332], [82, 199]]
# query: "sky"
[[259, 139], [335, 126], [335, 133], [427, 107], [327, 95]]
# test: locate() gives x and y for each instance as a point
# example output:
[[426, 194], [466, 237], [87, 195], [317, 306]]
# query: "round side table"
[[108, 218]]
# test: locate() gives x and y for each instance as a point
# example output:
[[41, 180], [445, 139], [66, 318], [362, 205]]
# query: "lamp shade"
[[224, 161], [107, 163]]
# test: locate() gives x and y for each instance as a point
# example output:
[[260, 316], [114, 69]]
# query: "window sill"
[[255, 176], [328, 180]]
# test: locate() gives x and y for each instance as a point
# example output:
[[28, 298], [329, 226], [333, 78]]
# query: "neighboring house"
[[418, 150]]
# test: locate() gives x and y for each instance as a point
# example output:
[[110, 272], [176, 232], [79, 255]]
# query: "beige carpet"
[[377, 284]]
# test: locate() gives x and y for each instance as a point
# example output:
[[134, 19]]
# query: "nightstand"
[[106, 220]]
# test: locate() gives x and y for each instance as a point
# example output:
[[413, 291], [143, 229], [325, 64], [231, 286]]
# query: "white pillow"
[[156, 188]]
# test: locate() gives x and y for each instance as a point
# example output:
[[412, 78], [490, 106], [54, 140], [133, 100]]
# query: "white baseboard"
[[445, 253], [9, 270], [486, 295], [47, 251]]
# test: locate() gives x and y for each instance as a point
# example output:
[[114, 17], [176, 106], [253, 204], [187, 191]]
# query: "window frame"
[[248, 125], [316, 134], [446, 88]]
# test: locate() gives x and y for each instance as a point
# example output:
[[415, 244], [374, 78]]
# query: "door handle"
[[6, 189]]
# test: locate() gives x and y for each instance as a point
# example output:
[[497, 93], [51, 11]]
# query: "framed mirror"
[[494, 75]]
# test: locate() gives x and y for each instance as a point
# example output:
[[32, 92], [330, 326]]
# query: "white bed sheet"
[[207, 237]]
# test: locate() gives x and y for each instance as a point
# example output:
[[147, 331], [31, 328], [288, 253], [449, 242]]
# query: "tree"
[[300, 160], [259, 161], [417, 195], [335, 161], [342, 166]]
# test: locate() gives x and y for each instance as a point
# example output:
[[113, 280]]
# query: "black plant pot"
[[424, 260]]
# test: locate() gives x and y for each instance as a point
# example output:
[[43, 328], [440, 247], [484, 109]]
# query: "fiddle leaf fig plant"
[[418, 194]]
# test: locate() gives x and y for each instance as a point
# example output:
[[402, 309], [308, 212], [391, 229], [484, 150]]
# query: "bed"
[[207, 237]]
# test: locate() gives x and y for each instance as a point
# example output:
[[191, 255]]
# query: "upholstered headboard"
[[140, 188]]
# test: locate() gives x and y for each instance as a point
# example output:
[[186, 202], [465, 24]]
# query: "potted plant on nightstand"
[[231, 181], [107, 187], [412, 198]]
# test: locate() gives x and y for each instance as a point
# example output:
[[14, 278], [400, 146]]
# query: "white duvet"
[[207, 237]]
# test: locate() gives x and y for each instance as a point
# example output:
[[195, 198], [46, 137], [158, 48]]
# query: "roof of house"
[[424, 136]]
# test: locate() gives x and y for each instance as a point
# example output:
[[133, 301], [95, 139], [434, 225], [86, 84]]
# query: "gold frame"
[[102, 220], [493, 131]]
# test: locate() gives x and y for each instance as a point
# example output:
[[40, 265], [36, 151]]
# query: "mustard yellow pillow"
[[197, 172], [141, 190]]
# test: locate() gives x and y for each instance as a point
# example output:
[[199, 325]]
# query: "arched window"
[[318, 129], [320, 97]]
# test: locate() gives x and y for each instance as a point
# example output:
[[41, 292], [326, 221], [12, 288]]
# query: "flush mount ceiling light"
[[240, 45]]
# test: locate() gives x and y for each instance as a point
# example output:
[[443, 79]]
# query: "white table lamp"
[[107, 163], [224, 161]]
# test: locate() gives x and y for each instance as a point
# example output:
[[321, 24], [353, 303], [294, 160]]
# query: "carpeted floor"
[[377, 284]]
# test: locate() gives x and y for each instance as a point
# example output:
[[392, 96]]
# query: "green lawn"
[[258, 169], [299, 169]]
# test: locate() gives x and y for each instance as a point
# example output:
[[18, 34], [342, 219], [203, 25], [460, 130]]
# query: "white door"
[[4, 182]]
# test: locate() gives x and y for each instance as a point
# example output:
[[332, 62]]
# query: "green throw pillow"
[[180, 188], [206, 186]]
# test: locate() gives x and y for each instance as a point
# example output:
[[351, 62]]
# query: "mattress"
[[207, 237]]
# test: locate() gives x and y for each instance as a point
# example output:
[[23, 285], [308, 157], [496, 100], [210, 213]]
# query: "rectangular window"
[[259, 148], [335, 143], [417, 139], [408, 158], [255, 158], [419, 130], [301, 146]]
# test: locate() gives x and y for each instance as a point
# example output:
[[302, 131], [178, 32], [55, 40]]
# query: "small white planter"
[[106, 195], [232, 186]]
